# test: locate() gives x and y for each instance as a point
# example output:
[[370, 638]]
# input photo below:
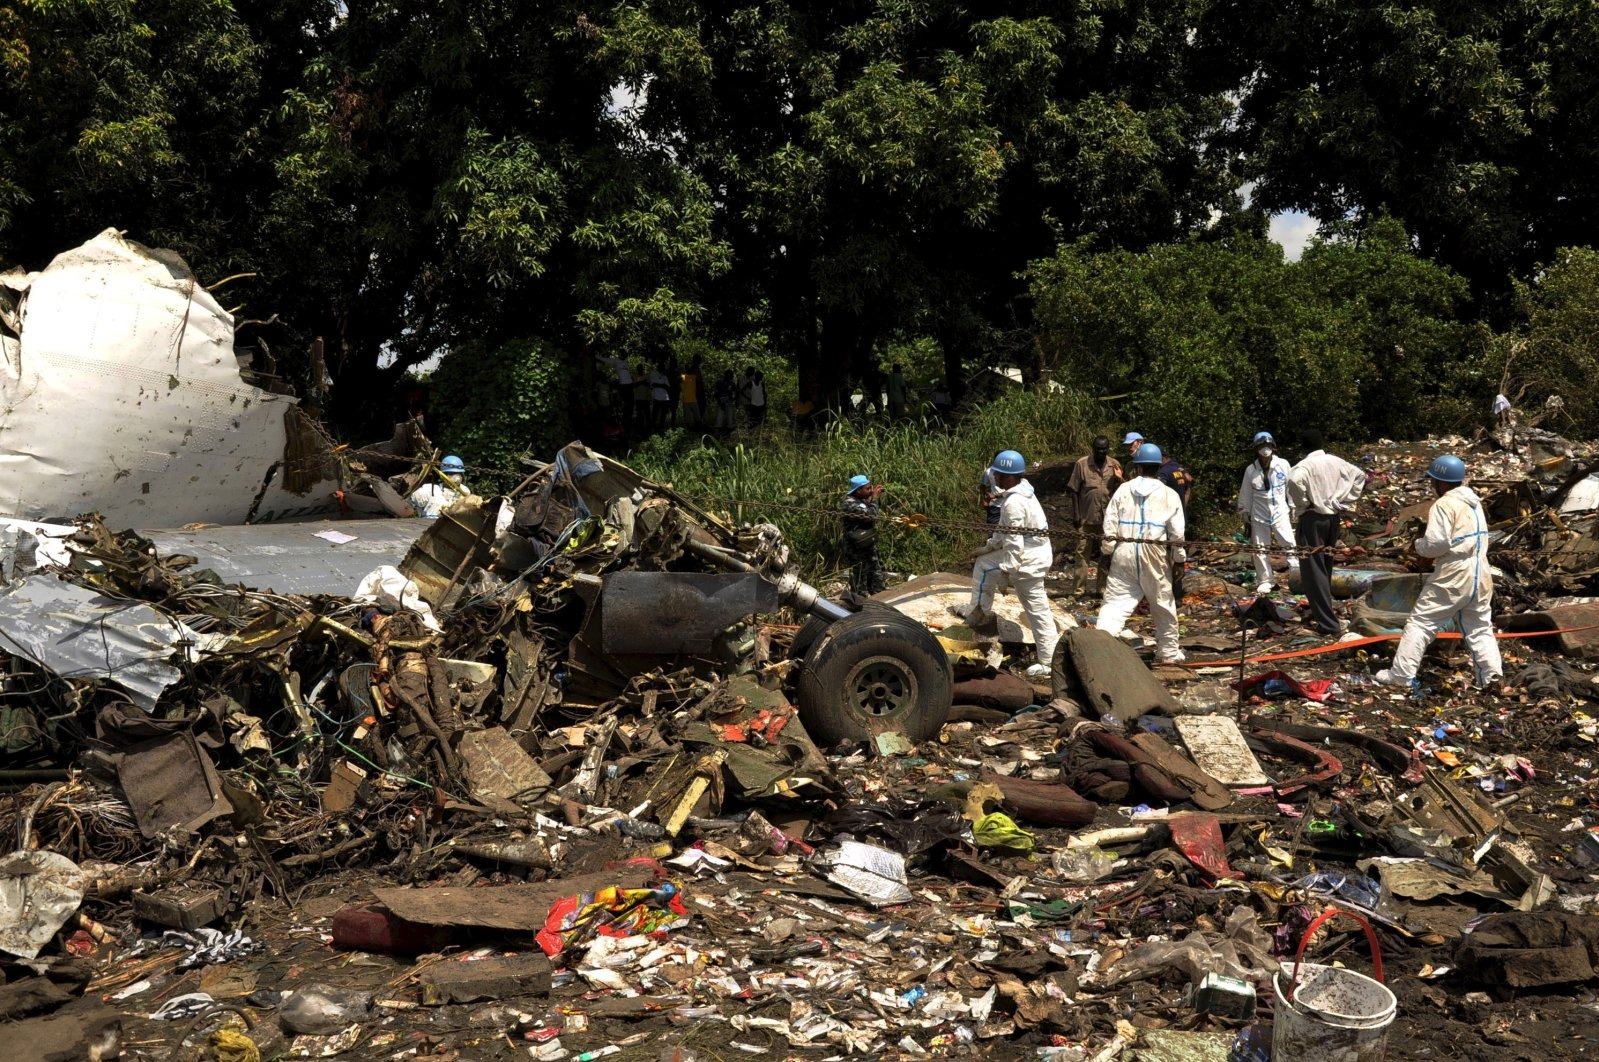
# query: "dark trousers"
[[866, 575], [1315, 570]]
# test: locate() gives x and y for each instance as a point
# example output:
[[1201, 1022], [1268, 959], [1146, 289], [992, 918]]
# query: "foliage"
[[925, 467], [1213, 340], [1558, 354], [1471, 121], [496, 402], [886, 168], [821, 188]]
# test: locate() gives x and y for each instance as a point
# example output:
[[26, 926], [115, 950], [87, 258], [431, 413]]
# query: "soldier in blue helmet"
[[860, 537], [1461, 585]]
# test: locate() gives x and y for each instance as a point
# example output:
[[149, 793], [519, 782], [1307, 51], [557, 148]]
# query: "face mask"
[[1266, 452]]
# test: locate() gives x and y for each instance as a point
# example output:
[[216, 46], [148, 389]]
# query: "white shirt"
[[1323, 483], [658, 390], [1022, 554], [1263, 493]]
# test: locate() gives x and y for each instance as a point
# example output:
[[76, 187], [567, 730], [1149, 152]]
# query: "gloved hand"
[[1177, 572], [1249, 526]]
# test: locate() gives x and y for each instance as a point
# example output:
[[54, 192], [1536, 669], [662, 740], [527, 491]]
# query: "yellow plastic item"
[[999, 830], [231, 1045]]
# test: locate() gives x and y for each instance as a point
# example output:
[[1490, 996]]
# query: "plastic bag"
[[1190, 958], [998, 830], [1083, 864], [322, 1009]]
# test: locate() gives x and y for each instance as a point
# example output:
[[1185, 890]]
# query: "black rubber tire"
[[875, 670], [813, 627]]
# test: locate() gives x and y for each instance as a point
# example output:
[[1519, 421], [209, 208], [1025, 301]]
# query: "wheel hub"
[[880, 686]]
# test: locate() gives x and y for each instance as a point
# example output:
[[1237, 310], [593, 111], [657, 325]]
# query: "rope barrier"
[[1374, 639], [922, 522]]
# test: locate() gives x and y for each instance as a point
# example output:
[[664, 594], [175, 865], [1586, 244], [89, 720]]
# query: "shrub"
[[798, 479], [494, 404]]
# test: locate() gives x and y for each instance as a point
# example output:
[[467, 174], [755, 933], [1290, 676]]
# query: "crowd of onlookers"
[[639, 399]]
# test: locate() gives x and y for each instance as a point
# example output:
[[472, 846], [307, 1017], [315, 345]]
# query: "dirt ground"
[[775, 961]]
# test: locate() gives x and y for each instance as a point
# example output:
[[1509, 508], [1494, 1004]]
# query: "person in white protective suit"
[[431, 499], [1144, 530], [1017, 553], [1461, 585], [1263, 505]]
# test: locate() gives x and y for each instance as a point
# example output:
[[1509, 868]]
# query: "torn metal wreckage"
[[588, 771]]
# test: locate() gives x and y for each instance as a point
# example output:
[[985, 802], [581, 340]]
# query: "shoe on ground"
[[1386, 677], [979, 619], [1038, 671], [1131, 637], [1176, 658], [1263, 589]]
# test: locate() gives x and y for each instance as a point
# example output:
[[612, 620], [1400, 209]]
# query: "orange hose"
[[1335, 647]]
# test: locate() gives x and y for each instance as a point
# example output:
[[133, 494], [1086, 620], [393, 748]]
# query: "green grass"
[[925, 468]]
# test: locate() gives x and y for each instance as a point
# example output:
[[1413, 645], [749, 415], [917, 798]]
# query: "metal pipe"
[[791, 590]]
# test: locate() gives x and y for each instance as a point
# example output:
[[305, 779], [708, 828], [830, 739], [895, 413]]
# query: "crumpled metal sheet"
[[678, 612], [290, 558], [39, 891], [171, 782], [78, 634], [125, 395]]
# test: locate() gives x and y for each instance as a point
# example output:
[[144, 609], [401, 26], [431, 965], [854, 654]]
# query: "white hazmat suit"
[[431, 499], [1263, 501], [1460, 586], [1021, 560], [1149, 515]]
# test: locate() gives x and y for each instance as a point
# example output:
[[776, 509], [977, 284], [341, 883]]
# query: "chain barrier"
[[922, 522]]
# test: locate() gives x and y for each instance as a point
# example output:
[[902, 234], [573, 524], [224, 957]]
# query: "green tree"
[[1557, 353], [1472, 122], [143, 116], [454, 174], [885, 168], [1211, 340], [498, 401]]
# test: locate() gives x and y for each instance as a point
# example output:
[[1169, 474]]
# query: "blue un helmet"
[[1148, 454], [1010, 463], [1264, 437], [1448, 469], [453, 465], [856, 483]]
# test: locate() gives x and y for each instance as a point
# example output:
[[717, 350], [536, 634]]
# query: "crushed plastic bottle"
[[1083, 864], [1253, 1044]]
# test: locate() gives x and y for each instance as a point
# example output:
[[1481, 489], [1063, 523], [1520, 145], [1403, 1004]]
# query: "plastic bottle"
[[1082, 864]]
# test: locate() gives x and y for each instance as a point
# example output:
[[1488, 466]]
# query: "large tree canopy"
[[821, 180], [889, 167]]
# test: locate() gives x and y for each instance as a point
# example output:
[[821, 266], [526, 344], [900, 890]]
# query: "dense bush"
[[1205, 342], [1558, 354], [492, 404]]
